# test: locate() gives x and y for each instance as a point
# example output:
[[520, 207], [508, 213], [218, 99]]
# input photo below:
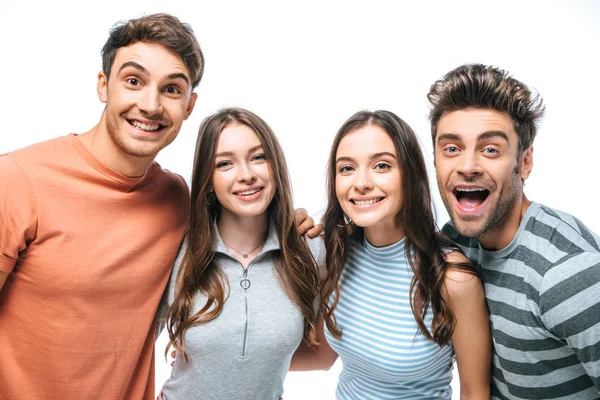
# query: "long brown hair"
[[423, 242], [199, 272]]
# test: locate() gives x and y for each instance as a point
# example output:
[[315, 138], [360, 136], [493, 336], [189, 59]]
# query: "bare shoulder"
[[460, 283]]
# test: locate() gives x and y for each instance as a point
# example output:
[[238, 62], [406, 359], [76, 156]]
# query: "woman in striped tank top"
[[400, 303]]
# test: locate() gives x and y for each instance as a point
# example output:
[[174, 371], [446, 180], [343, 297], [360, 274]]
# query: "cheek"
[[341, 189], [442, 169], [265, 172], [220, 184]]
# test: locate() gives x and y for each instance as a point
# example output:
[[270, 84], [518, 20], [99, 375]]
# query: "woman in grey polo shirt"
[[244, 285]]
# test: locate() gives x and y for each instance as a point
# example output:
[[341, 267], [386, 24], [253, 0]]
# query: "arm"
[[3, 277], [18, 216], [169, 294], [569, 308], [307, 359], [306, 225], [471, 337]]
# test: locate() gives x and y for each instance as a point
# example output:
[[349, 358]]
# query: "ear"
[[102, 87], [190, 106], [526, 163]]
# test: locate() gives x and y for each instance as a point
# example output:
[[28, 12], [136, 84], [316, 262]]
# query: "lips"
[[366, 202], [249, 194], [149, 127]]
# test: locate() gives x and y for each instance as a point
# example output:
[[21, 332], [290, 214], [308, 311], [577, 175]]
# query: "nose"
[[363, 181], [149, 101], [469, 165], [246, 173]]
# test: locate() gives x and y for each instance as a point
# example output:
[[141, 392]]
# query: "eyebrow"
[[371, 157], [230, 153], [483, 136], [133, 64]]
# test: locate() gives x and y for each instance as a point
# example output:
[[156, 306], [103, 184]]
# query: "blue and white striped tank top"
[[384, 355]]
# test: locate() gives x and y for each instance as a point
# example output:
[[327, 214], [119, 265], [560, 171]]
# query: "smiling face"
[[242, 179], [368, 181], [148, 96], [479, 172]]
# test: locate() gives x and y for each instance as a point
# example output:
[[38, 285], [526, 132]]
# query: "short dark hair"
[[483, 86], [163, 29]]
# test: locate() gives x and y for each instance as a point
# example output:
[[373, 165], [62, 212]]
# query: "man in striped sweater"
[[540, 267]]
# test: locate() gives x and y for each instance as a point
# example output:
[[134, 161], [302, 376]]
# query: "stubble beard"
[[133, 147], [497, 216]]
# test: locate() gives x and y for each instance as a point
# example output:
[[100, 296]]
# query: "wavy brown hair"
[[488, 87], [163, 29], [199, 271], [423, 241]]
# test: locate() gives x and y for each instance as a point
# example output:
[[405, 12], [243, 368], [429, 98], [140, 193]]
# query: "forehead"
[[155, 58], [472, 122], [237, 137], [365, 141]]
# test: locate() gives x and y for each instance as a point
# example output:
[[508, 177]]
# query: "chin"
[[472, 229]]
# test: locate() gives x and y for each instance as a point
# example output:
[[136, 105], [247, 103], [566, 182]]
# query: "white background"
[[306, 67]]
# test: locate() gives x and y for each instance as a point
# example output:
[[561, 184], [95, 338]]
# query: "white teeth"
[[247, 192], [366, 202], [145, 127], [471, 190]]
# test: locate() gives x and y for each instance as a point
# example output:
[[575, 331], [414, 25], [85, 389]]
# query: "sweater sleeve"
[[18, 213], [570, 307]]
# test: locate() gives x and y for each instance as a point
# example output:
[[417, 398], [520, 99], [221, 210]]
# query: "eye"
[[382, 166], [223, 164], [259, 157], [490, 151], [132, 81], [451, 149], [345, 168], [172, 90]]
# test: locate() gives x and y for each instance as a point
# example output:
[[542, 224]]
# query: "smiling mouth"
[[471, 198], [145, 127], [248, 192], [367, 202]]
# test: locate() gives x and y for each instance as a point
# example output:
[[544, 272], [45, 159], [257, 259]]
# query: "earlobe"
[[190, 106], [102, 87], [526, 163]]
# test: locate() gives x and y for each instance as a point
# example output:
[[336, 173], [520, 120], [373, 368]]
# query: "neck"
[[501, 236], [385, 235], [243, 233], [102, 146]]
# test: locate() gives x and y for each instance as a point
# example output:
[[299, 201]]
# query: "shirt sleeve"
[[18, 213], [169, 294], [570, 307], [317, 248]]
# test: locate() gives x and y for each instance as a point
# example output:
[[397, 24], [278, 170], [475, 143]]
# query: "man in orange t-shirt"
[[90, 226]]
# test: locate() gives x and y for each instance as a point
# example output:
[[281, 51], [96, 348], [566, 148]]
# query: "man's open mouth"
[[471, 198]]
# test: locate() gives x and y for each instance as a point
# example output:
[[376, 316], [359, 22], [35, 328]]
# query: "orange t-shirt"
[[89, 252]]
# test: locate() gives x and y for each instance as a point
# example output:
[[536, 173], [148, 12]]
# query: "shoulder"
[[15, 181], [460, 284], [573, 273], [316, 246], [561, 230], [170, 183], [35, 153]]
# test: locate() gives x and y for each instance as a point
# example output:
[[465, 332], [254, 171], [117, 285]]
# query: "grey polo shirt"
[[244, 353]]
